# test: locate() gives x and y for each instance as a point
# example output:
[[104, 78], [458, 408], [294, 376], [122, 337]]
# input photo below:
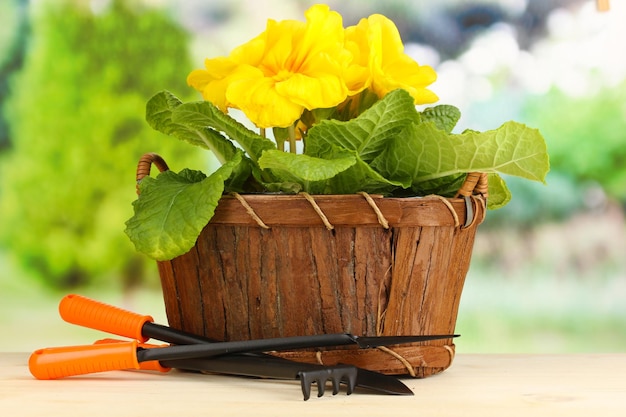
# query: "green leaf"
[[241, 179], [424, 153], [444, 116], [367, 134], [309, 173], [159, 111], [499, 194], [172, 209], [283, 187], [204, 115], [445, 186], [305, 167], [361, 177]]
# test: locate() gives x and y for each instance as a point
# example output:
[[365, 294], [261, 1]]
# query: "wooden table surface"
[[475, 385]]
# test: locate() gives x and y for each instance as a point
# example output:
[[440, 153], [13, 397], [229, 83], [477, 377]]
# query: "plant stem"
[[292, 138]]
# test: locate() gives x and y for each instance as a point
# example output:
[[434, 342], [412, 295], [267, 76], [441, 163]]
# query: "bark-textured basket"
[[286, 265]]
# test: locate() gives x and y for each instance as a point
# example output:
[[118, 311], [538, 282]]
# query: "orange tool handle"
[[86, 312], [144, 366], [60, 362]]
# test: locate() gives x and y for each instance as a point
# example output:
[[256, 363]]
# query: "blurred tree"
[[76, 119], [586, 136], [450, 26], [534, 204], [13, 34]]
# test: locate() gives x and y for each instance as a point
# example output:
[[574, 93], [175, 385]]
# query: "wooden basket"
[[286, 265]]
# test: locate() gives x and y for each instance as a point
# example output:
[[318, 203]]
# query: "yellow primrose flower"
[[214, 81], [375, 43], [290, 67], [220, 72]]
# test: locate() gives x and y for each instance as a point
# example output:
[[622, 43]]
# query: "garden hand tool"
[[267, 367], [51, 363], [93, 314], [306, 373], [60, 362], [84, 311], [123, 323]]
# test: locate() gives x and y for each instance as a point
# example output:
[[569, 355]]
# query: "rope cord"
[[250, 210]]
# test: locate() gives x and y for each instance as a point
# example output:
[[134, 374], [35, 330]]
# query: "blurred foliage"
[[13, 34], [77, 129], [533, 204], [586, 136]]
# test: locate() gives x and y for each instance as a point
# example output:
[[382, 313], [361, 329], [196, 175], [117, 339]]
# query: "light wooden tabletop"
[[475, 385]]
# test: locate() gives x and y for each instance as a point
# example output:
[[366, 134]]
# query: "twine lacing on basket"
[[405, 362], [450, 351], [318, 210], [448, 204], [470, 202], [308, 197], [379, 214], [250, 210]]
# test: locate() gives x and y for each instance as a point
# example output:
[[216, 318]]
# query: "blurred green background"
[[549, 270]]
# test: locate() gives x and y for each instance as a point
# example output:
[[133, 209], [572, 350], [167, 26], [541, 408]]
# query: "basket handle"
[[145, 163], [476, 183]]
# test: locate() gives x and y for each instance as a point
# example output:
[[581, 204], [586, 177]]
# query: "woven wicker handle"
[[145, 163], [476, 183]]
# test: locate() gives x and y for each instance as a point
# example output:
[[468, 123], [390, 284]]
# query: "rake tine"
[[336, 383], [337, 374], [305, 383], [321, 385], [351, 376]]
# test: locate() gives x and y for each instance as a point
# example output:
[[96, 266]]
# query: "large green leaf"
[[306, 167], [424, 153], [445, 186], [159, 112], [367, 134], [310, 173], [204, 115], [173, 208], [361, 177]]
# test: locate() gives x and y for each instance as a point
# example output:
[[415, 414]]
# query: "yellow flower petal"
[[312, 92], [376, 45], [250, 53], [357, 75], [199, 79], [256, 96], [299, 65], [322, 37]]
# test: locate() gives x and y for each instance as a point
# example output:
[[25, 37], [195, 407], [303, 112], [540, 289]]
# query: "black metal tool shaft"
[[279, 343]]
